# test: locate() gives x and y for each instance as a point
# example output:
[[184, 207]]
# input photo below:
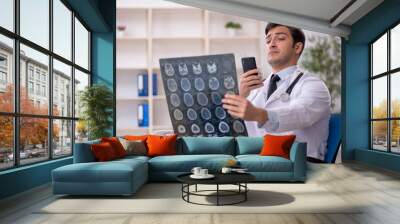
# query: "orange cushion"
[[135, 137], [161, 145], [103, 151], [277, 145], [116, 145]]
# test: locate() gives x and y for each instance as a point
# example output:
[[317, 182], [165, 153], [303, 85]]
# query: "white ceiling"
[[325, 16], [322, 9]]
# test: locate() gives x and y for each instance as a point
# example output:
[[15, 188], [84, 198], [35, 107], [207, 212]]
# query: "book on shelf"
[[154, 84], [143, 115], [143, 84]]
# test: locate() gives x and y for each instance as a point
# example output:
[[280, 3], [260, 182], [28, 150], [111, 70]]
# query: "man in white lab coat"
[[289, 101]]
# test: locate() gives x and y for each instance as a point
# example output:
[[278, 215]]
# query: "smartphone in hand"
[[248, 64]]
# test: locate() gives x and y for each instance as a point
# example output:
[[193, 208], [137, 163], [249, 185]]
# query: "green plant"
[[233, 25], [323, 58], [96, 102]]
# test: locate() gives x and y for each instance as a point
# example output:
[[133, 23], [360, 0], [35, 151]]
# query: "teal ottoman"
[[118, 177]]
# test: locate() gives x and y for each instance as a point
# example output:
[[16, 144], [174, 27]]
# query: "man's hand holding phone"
[[248, 81]]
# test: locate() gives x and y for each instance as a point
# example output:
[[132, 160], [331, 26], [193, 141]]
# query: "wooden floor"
[[377, 188]]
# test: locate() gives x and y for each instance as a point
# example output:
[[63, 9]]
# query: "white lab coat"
[[306, 114]]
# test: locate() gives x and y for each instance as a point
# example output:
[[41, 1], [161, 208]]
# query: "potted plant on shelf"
[[96, 102], [121, 30], [232, 28]]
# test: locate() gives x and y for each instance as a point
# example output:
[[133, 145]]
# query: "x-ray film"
[[194, 87]]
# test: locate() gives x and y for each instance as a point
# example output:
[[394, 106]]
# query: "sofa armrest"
[[83, 152], [298, 155]]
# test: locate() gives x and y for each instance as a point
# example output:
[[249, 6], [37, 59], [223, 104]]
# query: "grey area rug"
[[166, 198]]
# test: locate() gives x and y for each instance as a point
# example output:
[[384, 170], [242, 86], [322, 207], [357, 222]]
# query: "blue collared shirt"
[[285, 74]]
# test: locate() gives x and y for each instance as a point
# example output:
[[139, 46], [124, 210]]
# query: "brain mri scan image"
[[216, 98], [191, 114], [229, 83], [197, 70], [213, 83], [205, 113], [223, 127], [171, 85], [209, 128], [194, 87], [188, 99], [238, 126], [183, 70], [174, 99], [195, 129], [185, 84], [211, 67], [220, 113], [181, 129], [202, 99], [199, 84], [178, 115], [169, 69]]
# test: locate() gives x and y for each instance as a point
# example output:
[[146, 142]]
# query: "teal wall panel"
[[103, 54], [377, 158], [90, 12], [24, 178], [356, 99], [102, 58], [103, 64]]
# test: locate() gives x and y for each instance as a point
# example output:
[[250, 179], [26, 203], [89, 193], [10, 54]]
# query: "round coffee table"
[[238, 179]]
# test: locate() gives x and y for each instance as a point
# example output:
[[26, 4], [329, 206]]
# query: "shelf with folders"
[[169, 30], [133, 101], [136, 117]]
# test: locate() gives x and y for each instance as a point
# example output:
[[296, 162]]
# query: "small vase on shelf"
[[232, 28], [121, 30], [232, 32]]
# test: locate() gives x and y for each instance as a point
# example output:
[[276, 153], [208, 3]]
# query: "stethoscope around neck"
[[285, 97]]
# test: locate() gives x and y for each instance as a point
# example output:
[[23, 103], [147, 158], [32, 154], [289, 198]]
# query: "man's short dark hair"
[[297, 34]]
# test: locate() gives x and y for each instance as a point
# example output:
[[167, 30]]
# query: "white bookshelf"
[[160, 29]]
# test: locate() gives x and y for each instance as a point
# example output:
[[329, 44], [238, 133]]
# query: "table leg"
[[245, 191], [188, 189], [182, 188], [217, 194]]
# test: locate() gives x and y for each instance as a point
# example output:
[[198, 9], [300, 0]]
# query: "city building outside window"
[[3, 72], [38, 89], [30, 72], [3, 61], [37, 74], [43, 90], [3, 77], [30, 87]]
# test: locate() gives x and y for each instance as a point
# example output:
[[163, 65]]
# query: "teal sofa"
[[125, 176]]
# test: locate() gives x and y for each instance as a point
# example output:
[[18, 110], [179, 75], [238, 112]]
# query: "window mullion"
[[73, 82], [389, 105], [16, 84], [50, 81], [371, 99]]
